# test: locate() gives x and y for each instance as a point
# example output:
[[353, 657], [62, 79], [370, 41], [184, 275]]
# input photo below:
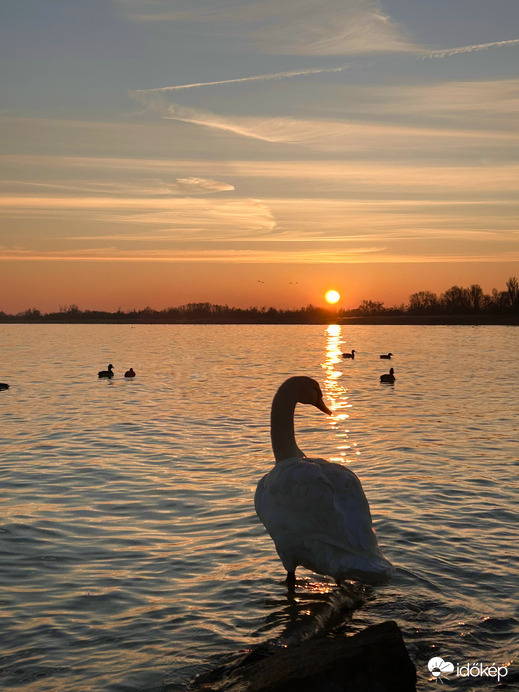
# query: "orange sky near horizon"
[[135, 285]]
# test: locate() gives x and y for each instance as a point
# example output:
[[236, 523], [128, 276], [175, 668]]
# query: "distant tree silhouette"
[[512, 286], [423, 302], [455, 300], [476, 297], [371, 307]]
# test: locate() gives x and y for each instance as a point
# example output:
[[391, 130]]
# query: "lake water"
[[131, 555]]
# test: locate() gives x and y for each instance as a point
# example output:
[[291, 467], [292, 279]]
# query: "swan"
[[388, 377], [106, 373], [315, 510], [350, 355], [3, 386], [387, 356], [130, 373]]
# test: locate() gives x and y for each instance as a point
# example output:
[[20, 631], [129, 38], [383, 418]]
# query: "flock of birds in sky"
[[386, 377]]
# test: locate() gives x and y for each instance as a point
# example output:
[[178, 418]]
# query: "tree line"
[[454, 301]]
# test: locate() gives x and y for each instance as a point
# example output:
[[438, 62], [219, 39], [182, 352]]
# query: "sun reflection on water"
[[336, 393]]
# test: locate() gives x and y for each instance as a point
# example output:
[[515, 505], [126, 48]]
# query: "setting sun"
[[332, 296]]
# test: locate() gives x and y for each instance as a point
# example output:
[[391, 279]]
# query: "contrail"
[[469, 49], [256, 78]]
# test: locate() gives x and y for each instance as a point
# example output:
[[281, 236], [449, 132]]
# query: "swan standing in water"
[[315, 510]]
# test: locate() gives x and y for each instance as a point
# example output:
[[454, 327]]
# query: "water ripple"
[[131, 554]]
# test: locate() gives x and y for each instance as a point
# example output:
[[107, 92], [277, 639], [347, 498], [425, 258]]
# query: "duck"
[[387, 355], [350, 355], [3, 386], [315, 510], [106, 373], [130, 373], [388, 377]]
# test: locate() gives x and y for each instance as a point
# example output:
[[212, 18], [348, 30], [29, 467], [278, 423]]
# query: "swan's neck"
[[282, 427]]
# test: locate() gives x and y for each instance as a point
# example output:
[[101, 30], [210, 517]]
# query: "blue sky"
[[195, 149]]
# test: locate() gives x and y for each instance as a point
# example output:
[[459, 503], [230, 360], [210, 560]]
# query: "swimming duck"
[[130, 373], [106, 373], [388, 377], [315, 510], [3, 386], [350, 355], [387, 356]]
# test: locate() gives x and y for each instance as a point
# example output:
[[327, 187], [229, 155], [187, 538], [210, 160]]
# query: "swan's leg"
[[291, 580]]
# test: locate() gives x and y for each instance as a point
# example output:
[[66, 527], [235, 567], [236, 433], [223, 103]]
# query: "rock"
[[374, 660]]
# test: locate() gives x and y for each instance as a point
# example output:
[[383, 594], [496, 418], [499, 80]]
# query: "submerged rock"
[[374, 660]]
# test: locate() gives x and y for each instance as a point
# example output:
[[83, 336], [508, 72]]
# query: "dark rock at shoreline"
[[374, 660]]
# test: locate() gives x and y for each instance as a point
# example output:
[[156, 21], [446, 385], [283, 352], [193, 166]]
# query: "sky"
[[255, 152]]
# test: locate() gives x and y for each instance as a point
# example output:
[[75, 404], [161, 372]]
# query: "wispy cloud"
[[470, 49], [330, 27], [328, 134], [366, 255], [186, 217], [178, 186], [255, 78]]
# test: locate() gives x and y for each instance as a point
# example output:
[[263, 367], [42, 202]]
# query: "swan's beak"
[[322, 407]]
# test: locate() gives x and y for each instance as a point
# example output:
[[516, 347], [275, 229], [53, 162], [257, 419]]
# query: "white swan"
[[315, 510]]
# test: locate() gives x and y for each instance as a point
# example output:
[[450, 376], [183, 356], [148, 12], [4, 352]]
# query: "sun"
[[332, 296]]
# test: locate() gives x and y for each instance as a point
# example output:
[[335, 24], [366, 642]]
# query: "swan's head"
[[391, 371], [305, 391]]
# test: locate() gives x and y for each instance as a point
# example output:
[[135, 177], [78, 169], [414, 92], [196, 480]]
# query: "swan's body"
[[107, 373], [315, 510], [130, 373], [350, 355], [3, 385], [387, 356], [388, 377]]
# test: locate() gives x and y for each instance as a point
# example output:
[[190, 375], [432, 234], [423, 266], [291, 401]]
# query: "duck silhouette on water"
[[387, 356], [130, 373], [3, 386], [350, 355], [107, 373], [388, 377]]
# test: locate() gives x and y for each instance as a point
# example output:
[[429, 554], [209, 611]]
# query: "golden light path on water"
[[336, 393]]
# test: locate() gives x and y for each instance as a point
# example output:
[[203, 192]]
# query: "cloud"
[[305, 27], [331, 134], [254, 78], [367, 255], [187, 217], [179, 186], [469, 49]]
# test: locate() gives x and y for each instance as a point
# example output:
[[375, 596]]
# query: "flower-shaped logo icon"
[[439, 667]]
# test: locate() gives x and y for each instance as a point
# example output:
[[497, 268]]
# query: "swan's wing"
[[318, 500]]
